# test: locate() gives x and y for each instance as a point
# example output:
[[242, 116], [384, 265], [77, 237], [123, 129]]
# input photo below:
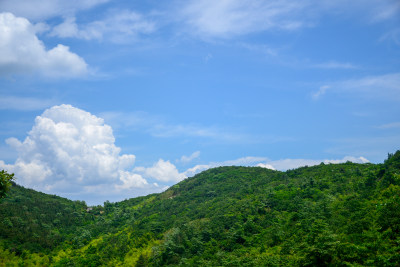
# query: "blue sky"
[[106, 100]]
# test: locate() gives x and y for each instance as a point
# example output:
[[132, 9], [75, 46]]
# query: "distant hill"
[[337, 214]]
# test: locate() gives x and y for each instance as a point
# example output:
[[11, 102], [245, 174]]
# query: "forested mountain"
[[337, 214]]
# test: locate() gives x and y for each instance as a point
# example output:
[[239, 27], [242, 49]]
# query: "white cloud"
[[163, 171], [264, 165], [69, 149], [22, 52], [73, 153], [118, 26], [187, 159], [44, 9], [131, 180]]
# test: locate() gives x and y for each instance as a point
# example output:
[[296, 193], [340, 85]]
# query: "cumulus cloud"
[[73, 153], [22, 52], [118, 26], [44, 9], [265, 165], [69, 149], [163, 171]]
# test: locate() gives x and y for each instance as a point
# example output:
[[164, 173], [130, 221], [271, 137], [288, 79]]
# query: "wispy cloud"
[[322, 90], [230, 18], [392, 125], [391, 36], [158, 126], [382, 87], [192, 130], [385, 12], [118, 26], [44, 9], [187, 159]]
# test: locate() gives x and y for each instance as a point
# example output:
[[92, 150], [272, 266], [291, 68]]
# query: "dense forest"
[[327, 215]]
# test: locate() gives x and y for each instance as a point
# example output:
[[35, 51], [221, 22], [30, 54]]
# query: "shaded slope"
[[36, 221]]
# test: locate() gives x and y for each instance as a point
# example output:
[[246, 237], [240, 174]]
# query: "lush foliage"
[[336, 214], [5, 183]]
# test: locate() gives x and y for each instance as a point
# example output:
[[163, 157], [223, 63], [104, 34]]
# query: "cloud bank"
[[69, 149], [22, 52], [73, 153]]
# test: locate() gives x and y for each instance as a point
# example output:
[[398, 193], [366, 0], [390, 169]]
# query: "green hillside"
[[337, 215]]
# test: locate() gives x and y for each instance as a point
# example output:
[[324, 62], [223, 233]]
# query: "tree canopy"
[[5, 182], [330, 214]]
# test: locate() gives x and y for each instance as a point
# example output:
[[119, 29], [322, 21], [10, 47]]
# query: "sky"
[[108, 100]]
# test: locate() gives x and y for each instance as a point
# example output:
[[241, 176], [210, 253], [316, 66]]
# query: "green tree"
[[5, 182]]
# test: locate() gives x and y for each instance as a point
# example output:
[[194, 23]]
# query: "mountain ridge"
[[329, 214]]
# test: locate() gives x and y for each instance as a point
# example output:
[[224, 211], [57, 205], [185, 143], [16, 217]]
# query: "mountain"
[[336, 214]]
